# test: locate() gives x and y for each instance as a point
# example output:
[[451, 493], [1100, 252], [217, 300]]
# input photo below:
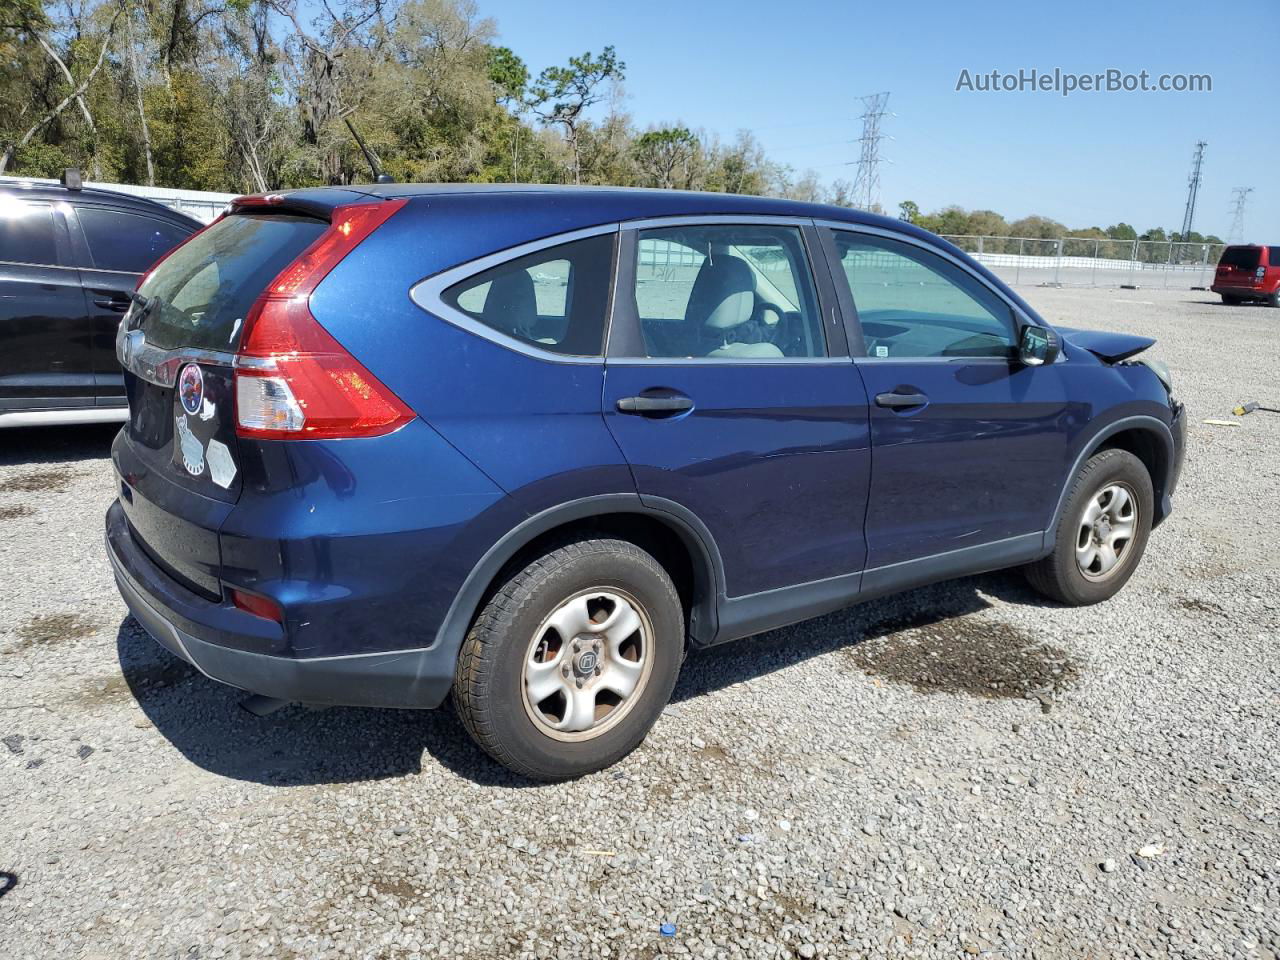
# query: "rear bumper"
[[190, 627], [1243, 289]]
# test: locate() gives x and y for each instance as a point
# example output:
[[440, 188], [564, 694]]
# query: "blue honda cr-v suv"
[[530, 445]]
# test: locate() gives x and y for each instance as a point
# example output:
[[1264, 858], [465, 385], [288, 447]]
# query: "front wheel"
[[572, 660], [1101, 534]]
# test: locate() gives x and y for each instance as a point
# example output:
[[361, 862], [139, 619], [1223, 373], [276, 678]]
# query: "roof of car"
[[637, 201], [114, 198]]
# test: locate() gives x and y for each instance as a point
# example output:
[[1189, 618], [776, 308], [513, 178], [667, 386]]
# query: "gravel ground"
[[960, 770]]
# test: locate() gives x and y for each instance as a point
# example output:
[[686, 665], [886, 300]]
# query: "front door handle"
[[655, 406], [899, 401], [112, 303]]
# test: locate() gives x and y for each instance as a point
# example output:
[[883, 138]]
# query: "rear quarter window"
[[556, 299], [205, 289]]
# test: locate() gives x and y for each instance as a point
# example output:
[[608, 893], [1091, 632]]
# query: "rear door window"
[[203, 292], [726, 292], [127, 242], [26, 232]]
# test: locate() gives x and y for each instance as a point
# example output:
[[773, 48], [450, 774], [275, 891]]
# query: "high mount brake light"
[[294, 381], [258, 200]]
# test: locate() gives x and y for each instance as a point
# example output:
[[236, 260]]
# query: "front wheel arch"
[[1146, 437]]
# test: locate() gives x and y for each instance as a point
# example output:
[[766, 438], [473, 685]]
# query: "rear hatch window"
[[1242, 258], [200, 296]]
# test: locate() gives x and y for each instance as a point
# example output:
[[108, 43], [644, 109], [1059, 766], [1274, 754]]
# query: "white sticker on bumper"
[[222, 469], [191, 448]]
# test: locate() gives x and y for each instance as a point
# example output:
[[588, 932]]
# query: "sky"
[[792, 71]]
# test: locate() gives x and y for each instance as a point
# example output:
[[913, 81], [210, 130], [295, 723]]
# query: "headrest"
[[724, 293], [511, 303]]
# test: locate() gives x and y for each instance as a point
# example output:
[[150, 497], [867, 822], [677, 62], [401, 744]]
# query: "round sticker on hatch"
[[191, 388]]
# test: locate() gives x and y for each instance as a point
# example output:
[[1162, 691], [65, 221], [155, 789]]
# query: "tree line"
[[256, 95], [958, 222]]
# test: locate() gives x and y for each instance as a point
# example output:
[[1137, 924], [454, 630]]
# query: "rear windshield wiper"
[[142, 306]]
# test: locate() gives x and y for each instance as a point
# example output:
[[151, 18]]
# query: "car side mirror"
[[1038, 346]]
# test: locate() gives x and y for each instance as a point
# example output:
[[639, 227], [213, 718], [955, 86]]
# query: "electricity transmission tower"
[[1238, 197], [1193, 188], [866, 186]]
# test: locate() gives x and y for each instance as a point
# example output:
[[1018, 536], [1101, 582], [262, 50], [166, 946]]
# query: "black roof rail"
[[71, 179]]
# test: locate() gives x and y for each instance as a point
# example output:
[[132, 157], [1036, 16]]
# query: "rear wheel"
[[1274, 299], [1101, 534], [1229, 300], [572, 660]]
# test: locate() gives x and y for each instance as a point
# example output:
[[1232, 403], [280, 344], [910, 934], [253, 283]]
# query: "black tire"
[[489, 685], [1058, 576], [1274, 299], [1230, 301]]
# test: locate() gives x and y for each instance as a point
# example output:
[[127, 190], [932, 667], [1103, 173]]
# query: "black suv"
[[69, 260]]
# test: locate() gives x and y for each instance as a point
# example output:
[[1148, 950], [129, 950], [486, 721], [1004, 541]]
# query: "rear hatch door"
[[1239, 265], [177, 457]]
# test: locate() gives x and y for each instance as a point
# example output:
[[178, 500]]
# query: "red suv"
[[1248, 273]]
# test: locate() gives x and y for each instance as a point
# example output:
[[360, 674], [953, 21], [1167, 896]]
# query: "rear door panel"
[[113, 248], [773, 458], [774, 454], [46, 360]]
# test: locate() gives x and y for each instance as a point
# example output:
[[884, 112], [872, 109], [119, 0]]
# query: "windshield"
[[200, 295]]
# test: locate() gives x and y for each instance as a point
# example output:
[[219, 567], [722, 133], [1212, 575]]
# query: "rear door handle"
[[901, 400], [655, 406]]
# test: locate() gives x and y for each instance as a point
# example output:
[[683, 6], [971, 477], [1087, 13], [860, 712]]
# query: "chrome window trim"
[[715, 219], [1017, 312], [127, 273], [156, 364], [429, 295], [726, 361], [41, 266]]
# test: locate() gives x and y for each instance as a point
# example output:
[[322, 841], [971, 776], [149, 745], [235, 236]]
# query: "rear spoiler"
[[1107, 347], [319, 202]]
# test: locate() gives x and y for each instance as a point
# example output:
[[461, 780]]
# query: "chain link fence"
[[1088, 262]]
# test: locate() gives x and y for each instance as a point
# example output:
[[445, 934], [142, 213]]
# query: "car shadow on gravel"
[[37, 445], [1003, 662], [296, 746]]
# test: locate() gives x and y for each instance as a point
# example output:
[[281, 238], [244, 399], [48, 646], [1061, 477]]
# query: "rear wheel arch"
[[673, 535]]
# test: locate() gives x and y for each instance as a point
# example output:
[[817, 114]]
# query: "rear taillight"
[[294, 381]]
